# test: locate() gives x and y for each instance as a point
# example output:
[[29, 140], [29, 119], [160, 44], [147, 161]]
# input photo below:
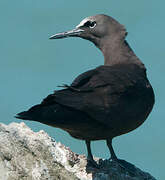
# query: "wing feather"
[[110, 87]]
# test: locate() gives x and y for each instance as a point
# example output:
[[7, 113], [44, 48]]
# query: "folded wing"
[[103, 93]]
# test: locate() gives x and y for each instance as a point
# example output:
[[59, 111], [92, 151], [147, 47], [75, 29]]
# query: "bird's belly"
[[126, 115], [133, 111], [130, 113], [90, 133]]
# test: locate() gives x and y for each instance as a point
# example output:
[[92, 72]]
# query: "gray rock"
[[28, 155]]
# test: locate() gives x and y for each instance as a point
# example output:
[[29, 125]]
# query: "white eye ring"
[[92, 25], [89, 24]]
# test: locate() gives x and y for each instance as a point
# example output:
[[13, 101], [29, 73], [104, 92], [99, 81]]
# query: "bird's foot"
[[93, 163], [69, 87], [76, 89], [130, 168]]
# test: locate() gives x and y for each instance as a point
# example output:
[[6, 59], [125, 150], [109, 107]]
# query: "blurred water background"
[[32, 66]]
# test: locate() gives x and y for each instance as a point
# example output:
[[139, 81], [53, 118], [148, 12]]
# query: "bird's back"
[[112, 96], [113, 99]]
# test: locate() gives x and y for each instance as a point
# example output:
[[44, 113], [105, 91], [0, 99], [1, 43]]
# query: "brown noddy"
[[105, 102]]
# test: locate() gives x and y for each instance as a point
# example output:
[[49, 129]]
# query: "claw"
[[75, 89], [64, 86], [69, 87]]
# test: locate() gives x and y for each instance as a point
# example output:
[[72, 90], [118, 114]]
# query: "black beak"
[[72, 33]]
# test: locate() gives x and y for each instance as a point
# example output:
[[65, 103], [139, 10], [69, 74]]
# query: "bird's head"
[[96, 29]]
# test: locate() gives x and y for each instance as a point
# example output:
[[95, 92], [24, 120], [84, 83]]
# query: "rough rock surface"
[[28, 155]]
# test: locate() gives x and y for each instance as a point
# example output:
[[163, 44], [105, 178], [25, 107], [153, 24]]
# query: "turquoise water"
[[32, 66]]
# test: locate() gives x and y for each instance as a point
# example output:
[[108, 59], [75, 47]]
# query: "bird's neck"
[[118, 52]]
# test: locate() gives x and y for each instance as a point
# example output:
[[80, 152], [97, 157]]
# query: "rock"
[[28, 155]]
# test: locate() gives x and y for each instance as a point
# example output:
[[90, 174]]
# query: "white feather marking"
[[83, 22]]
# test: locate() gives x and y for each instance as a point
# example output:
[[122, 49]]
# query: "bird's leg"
[[122, 163], [88, 144], [90, 157], [112, 152]]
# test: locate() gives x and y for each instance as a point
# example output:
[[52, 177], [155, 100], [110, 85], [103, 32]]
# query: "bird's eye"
[[90, 24]]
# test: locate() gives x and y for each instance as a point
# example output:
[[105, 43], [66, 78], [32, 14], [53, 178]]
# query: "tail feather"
[[53, 115], [40, 113], [23, 115]]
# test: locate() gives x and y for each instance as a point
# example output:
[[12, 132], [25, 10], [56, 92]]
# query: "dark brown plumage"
[[105, 102]]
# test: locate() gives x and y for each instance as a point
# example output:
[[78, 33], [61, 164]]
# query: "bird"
[[105, 102]]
